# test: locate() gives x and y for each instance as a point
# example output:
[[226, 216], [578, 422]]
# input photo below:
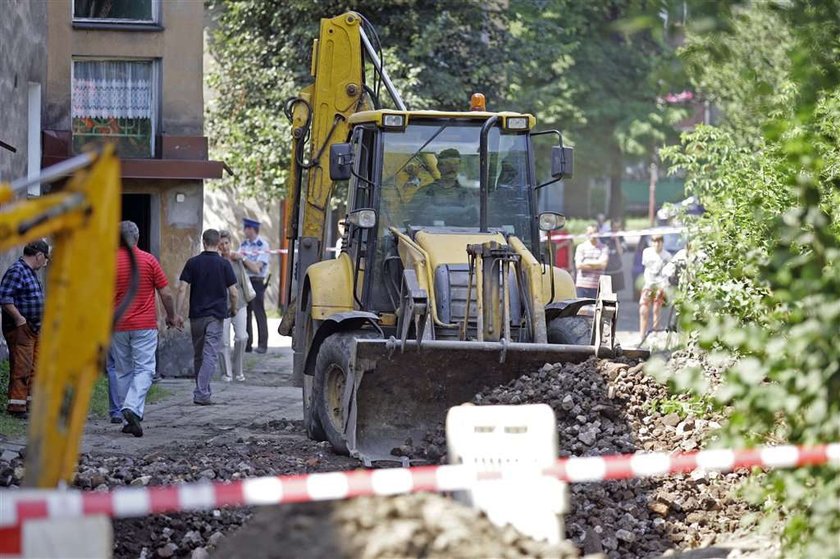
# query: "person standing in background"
[[22, 299], [233, 366], [591, 259], [255, 250], [654, 259]]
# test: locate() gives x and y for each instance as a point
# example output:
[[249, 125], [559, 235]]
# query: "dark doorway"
[[138, 208]]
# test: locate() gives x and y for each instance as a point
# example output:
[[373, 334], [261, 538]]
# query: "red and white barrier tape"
[[18, 506], [554, 237], [636, 233], [276, 251], [265, 251]]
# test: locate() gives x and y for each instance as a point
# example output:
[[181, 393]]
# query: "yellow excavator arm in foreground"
[[82, 219]]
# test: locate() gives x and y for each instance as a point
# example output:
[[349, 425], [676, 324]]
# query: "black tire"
[[331, 368], [571, 330], [311, 422]]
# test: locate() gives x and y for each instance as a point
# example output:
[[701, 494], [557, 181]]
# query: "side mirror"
[[363, 219], [341, 162], [552, 221], [562, 162]]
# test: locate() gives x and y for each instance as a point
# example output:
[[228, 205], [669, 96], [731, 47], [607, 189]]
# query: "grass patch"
[[99, 397], [9, 426], [12, 427], [684, 406]]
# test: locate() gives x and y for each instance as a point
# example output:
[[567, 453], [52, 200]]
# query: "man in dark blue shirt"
[[212, 299], [22, 299]]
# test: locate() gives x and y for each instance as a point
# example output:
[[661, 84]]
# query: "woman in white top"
[[233, 365]]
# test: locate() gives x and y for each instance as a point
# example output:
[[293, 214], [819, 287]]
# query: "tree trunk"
[[616, 210]]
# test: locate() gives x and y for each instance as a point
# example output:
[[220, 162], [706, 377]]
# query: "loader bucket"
[[405, 391]]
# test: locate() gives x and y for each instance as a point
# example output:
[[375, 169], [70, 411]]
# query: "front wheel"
[[570, 330], [332, 381]]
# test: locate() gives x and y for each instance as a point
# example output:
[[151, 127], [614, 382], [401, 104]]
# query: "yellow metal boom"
[[82, 218]]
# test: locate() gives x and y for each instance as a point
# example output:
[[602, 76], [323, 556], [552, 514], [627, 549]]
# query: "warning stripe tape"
[[275, 251], [554, 237], [635, 233], [19, 506], [265, 251]]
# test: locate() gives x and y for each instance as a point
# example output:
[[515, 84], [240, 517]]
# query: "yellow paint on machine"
[[331, 286], [451, 248]]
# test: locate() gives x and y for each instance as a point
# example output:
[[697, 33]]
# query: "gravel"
[[608, 407]]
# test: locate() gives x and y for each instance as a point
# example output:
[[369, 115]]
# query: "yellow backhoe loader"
[[81, 216], [440, 287]]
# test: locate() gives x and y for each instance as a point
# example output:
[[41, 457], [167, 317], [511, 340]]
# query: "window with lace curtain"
[[116, 11], [116, 101]]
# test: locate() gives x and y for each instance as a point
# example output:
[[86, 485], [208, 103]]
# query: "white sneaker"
[[226, 378], [240, 378]]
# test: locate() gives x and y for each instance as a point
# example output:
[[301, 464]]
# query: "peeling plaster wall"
[[23, 59]]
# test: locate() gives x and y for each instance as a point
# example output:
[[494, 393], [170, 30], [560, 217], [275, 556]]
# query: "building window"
[[116, 11], [116, 101]]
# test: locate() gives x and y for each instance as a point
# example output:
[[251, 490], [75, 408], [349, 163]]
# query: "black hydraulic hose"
[[134, 282], [374, 97], [484, 171], [375, 36]]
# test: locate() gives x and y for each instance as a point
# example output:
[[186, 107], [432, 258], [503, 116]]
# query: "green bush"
[[765, 289]]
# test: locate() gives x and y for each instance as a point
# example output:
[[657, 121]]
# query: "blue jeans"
[[134, 357], [114, 404]]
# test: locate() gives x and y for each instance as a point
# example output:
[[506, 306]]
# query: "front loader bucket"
[[405, 392]]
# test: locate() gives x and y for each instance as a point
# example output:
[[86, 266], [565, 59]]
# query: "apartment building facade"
[[130, 72]]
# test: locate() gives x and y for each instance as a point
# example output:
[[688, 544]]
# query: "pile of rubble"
[[192, 534], [610, 407]]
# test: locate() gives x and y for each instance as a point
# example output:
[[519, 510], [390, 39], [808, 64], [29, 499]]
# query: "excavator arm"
[[82, 218], [320, 118]]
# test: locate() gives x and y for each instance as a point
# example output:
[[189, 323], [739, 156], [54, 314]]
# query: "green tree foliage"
[[437, 53], [577, 65], [768, 291], [599, 70]]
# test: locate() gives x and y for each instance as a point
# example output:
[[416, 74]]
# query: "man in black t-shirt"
[[212, 299]]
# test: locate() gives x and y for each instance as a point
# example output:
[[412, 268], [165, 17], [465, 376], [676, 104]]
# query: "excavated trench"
[[602, 407]]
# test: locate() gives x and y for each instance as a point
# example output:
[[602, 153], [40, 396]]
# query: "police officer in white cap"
[[255, 250]]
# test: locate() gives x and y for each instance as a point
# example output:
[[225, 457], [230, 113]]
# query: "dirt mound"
[[376, 527]]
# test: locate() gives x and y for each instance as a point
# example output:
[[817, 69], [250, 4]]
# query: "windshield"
[[430, 176]]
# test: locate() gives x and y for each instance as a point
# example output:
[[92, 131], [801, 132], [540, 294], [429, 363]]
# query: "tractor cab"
[[442, 179]]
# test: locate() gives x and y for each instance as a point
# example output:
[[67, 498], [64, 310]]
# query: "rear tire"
[[311, 422], [331, 368], [570, 330]]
